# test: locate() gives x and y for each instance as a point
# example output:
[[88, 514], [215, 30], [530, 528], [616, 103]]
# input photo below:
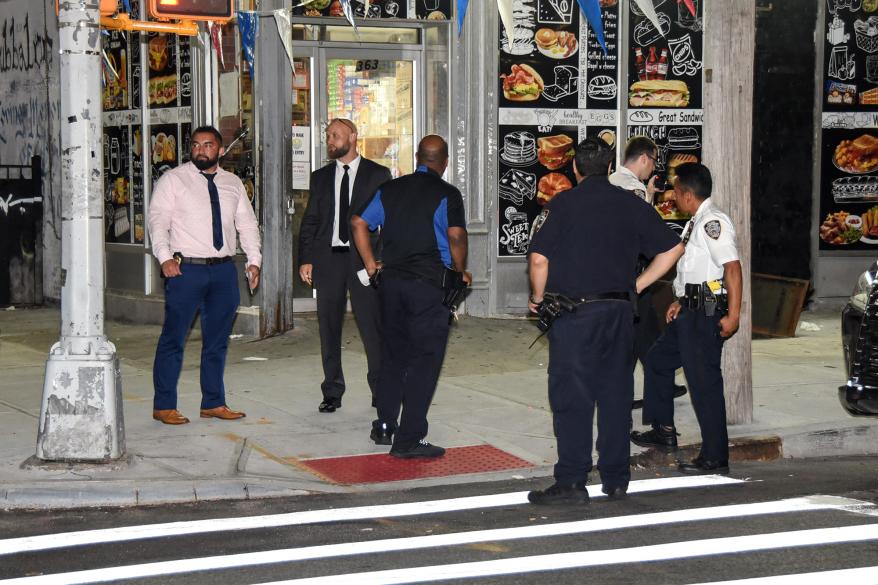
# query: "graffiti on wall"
[[29, 119], [22, 49]]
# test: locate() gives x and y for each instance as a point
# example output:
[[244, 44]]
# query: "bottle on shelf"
[[662, 72], [640, 64], [652, 65]]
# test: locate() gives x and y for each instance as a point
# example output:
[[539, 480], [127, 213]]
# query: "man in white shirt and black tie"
[[329, 262]]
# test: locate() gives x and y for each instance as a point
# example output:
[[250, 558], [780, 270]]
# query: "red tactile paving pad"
[[383, 467]]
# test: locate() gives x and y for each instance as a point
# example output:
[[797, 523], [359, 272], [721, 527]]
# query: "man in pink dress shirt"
[[195, 213]]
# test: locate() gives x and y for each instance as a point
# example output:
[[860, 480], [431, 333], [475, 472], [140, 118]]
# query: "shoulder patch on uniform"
[[713, 229], [538, 222]]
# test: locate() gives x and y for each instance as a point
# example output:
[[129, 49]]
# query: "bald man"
[[423, 230], [328, 262]]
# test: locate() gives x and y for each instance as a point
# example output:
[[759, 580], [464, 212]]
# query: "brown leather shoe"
[[170, 417], [223, 412]]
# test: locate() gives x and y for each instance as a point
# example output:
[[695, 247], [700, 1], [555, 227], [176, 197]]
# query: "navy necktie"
[[215, 215], [344, 205]]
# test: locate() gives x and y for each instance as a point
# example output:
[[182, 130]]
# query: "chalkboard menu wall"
[[665, 68], [849, 152], [555, 87], [166, 61], [410, 9]]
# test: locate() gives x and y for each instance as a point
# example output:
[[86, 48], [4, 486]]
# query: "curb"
[[765, 448]]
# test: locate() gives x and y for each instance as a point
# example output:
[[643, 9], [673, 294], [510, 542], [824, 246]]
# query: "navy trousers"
[[692, 341], [415, 335], [590, 357], [212, 291]]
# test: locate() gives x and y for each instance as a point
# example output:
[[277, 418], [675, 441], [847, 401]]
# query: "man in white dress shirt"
[[329, 263]]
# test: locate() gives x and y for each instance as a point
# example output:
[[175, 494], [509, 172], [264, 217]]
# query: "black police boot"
[[616, 493], [382, 433], [701, 466], [559, 494], [660, 437]]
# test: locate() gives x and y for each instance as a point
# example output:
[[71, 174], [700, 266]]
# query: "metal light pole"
[[81, 413]]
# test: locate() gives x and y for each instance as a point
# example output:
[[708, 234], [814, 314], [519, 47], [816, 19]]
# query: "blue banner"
[[592, 11], [461, 13], [248, 23]]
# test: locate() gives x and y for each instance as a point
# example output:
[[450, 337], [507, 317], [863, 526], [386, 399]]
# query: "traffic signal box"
[[215, 10]]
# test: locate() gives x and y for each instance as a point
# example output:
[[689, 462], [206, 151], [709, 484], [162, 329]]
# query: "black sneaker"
[[657, 438], [422, 449], [560, 495], [382, 433]]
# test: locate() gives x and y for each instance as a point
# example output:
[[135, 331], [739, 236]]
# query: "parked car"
[[859, 339]]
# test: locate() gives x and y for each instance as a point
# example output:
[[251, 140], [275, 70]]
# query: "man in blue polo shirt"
[[423, 232]]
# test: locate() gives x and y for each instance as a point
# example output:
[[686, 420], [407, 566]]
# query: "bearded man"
[[329, 263], [195, 214]]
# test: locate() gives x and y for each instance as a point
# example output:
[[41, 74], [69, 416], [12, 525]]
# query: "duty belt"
[[610, 296], [706, 296]]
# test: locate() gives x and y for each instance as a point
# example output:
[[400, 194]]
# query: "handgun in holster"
[[708, 300]]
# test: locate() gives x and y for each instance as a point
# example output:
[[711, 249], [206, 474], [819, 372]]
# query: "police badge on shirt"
[[713, 228]]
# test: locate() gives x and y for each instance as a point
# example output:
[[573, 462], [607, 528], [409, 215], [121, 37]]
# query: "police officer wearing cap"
[[576, 252], [708, 286]]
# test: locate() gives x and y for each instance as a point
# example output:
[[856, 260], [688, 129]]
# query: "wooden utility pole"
[[729, 50]]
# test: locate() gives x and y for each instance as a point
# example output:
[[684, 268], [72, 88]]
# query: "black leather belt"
[[206, 261], [341, 249], [610, 296]]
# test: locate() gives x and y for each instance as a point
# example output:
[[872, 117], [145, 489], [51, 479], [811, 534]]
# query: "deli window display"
[[848, 202], [143, 130]]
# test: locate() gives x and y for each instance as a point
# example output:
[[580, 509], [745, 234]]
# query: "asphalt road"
[[774, 519]]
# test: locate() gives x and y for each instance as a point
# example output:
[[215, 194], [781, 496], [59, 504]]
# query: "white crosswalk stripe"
[[89, 537], [858, 576], [574, 560], [854, 517], [452, 539]]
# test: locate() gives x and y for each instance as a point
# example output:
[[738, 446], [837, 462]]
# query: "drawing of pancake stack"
[[519, 149]]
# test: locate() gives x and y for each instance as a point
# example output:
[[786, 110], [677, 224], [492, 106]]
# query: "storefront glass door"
[[378, 91]]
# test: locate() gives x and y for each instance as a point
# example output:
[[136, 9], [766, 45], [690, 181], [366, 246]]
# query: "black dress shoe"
[[421, 450], [329, 404], [699, 466], [559, 494], [657, 438], [382, 433], [678, 391]]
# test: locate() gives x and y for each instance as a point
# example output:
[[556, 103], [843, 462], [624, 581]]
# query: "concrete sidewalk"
[[492, 391]]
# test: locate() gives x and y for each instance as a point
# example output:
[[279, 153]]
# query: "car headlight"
[[860, 296]]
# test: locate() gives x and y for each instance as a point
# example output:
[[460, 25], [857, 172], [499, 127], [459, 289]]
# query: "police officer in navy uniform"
[[423, 232], [708, 286], [576, 252]]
